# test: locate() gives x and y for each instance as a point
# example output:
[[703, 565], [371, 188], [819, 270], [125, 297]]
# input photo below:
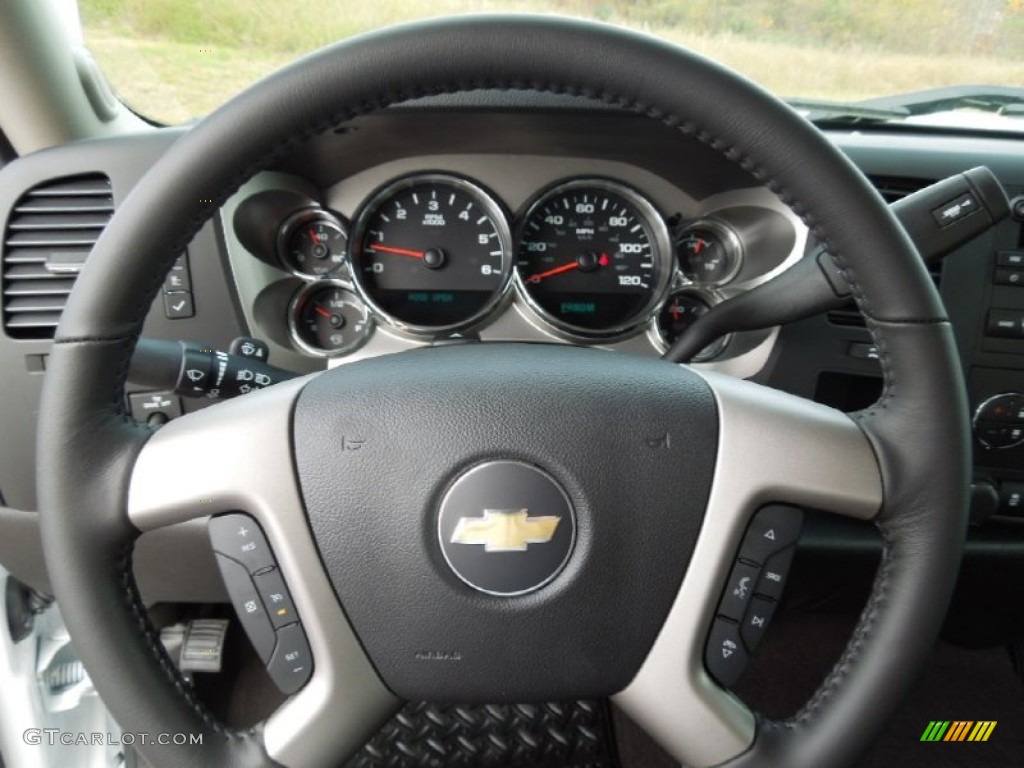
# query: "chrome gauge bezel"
[[481, 196], [731, 242], [292, 224], [664, 258], [301, 295], [976, 420], [710, 297]]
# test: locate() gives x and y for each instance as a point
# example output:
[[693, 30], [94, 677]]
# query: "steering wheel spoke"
[[776, 447], [772, 448], [236, 457]]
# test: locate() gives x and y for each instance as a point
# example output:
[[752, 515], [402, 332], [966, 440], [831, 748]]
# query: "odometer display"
[[593, 258], [431, 253]]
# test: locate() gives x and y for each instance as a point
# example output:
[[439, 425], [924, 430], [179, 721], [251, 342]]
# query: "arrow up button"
[[774, 528]]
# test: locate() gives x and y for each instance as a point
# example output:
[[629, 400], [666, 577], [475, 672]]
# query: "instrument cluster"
[[429, 256]]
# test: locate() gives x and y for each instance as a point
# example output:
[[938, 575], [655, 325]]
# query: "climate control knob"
[[999, 421]]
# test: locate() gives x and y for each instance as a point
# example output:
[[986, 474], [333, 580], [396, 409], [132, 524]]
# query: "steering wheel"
[[653, 525]]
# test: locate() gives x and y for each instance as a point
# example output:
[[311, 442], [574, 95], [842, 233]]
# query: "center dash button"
[[292, 663], [1005, 323], [178, 305], [1010, 259]]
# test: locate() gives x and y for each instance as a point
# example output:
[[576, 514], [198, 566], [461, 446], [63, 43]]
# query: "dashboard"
[[496, 247], [499, 217]]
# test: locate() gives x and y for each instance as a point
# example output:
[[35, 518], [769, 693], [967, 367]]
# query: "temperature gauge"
[[312, 243], [709, 253], [679, 312], [327, 319]]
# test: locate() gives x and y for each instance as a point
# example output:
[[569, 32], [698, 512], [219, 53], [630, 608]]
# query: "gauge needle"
[[314, 236], [603, 261], [321, 311], [399, 251], [551, 272]]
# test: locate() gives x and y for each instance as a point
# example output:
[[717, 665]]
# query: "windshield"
[[175, 60]]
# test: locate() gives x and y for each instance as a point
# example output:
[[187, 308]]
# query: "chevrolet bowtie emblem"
[[505, 530]]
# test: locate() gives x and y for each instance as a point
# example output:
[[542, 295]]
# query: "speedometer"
[[593, 258], [431, 254]]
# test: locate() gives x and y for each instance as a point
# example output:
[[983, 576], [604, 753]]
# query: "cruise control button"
[[248, 606], [759, 613], [738, 590], [292, 662], [774, 573], [275, 597], [773, 528], [240, 538], [725, 657]]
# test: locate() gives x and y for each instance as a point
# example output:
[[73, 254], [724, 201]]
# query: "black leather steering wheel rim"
[[87, 443]]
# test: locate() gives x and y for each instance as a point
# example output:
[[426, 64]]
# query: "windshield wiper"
[[823, 111], [1003, 100]]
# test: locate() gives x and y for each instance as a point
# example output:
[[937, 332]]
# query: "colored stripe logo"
[[958, 730]]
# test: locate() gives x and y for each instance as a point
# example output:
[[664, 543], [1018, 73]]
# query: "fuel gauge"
[[709, 253], [327, 319]]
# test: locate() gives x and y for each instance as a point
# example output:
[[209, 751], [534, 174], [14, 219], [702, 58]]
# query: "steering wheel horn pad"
[[103, 479], [632, 442]]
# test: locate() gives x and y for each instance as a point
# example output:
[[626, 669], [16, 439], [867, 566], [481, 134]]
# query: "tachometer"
[[431, 253], [593, 258]]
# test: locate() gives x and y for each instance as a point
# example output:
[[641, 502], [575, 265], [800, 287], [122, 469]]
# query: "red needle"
[[556, 271], [700, 246], [313, 234], [321, 311], [399, 251]]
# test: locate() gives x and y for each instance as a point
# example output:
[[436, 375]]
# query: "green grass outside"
[[175, 60]]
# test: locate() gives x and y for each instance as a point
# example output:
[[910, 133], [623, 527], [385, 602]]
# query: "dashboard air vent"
[[891, 188], [49, 234]]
